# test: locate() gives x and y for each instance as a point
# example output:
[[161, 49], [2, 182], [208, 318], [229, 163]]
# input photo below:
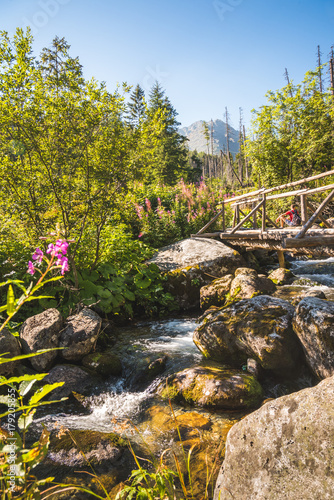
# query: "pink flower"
[[61, 245], [148, 204], [140, 235], [139, 210], [159, 202], [50, 248], [38, 255], [64, 266], [31, 268]]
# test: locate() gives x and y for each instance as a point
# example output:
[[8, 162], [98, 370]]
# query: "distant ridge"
[[195, 134]]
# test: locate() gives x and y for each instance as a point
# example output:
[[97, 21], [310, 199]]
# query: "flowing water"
[[311, 276], [131, 398]]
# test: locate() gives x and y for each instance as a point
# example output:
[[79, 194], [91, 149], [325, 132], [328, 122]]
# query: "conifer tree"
[[136, 106], [170, 153]]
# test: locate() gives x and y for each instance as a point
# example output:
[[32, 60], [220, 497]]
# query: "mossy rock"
[[281, 276], [213, 387], [104, 364], [258, 328], [161, 421], [248, 284], [98, 447], [215, 293]]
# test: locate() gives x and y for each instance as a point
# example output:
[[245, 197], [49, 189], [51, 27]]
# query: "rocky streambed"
[[250, 362]]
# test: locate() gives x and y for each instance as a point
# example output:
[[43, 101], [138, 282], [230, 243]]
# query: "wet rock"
[[161, 421], [74, 378], [104, 364], [248, 284], [145, 369], [213, 387], [254, 368], [42, 332], [314, 324], [192, 263], [281, 276], [259, 328], [319, 294], [9, 344], [80, 334], [215, 293], [283, 450], [99, 448]]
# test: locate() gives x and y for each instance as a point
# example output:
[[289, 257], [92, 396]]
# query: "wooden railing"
[[258, 199]]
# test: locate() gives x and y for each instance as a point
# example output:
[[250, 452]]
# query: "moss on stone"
[[85, 440]]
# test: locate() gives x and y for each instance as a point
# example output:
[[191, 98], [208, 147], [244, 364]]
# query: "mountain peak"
[[197, 140]]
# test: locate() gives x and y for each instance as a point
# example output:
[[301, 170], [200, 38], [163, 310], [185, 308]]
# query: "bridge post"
[[303, 208], [281, 259], [264, 214], [254, 216]]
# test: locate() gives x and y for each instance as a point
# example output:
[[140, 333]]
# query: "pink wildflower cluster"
[[57, 252]]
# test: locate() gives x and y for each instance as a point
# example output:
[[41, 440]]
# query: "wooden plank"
[[254, 216], [234, 222], [241, 223], [272, 222], [263, 226], [221, 212], [309, 241], [278, 188], [289, 194], [313, 209], [281, 259], [312, 219], [206, 235], [303, 208]]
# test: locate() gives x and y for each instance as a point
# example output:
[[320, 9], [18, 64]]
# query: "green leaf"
[[129, 295], [142, 283], [28, 407], [89, 289], [104, 293], [25, 356], [24, 421], [39, 297], [23, 378], [10, 300], [44, 391], [25, 386]]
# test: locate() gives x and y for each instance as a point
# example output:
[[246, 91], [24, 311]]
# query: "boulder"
[[42, 332], [248, 284], [104, 364], [258, 328], [9, 344], [281, 276], [75, 379], [192, 263], [99, 448], [283, 450], [215, 293], [213, 387], [313, 322], [80, 334]]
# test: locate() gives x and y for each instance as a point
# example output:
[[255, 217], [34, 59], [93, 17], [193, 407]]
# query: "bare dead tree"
[[246, 158], [286, 76], [319, 69], [331, 69], [241, 147]]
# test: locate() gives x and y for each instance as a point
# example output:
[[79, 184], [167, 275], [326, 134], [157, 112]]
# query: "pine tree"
[[136, 107], [170, 153]]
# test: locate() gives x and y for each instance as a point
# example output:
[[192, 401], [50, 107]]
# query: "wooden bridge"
[[304, 239]]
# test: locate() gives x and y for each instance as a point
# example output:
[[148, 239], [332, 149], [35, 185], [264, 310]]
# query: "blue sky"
[[207, 54]]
